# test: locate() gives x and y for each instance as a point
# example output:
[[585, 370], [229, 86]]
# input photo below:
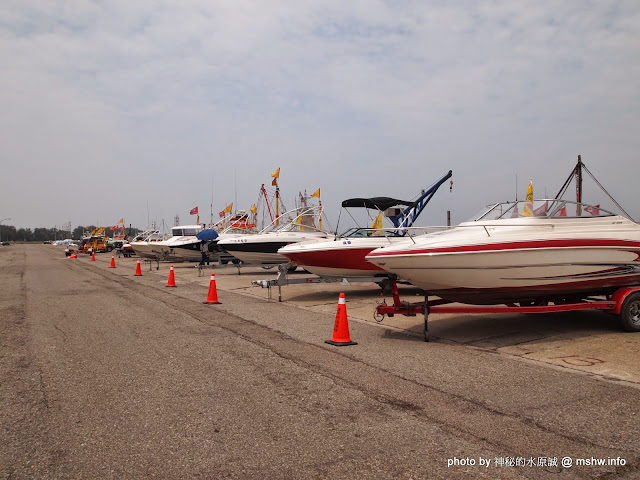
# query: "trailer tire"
[[630, 313]]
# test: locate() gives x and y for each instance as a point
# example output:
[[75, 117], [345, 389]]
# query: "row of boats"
[[566, 249]]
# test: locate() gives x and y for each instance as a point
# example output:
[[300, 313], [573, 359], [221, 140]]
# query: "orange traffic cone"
[[212, 298], [73, 256], [172, 279], [93, 256], [113, 262], [341, 336], [138, 269]]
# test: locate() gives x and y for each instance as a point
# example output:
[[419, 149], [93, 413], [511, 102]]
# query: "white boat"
[[344, 256], [502, 258], [181, 245], [262, 248]]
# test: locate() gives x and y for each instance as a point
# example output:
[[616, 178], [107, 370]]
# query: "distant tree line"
[[9, 233]]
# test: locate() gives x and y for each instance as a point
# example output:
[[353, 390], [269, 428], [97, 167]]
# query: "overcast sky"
[[146, 109]]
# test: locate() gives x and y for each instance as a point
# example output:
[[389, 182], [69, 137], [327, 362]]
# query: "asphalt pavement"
[[109, 375]]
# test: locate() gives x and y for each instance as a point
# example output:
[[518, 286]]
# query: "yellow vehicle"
[[93, 243]]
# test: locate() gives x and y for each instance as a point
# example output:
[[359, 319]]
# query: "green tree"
[[24, 235], [7, 233]]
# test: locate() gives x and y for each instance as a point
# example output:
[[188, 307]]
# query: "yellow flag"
[[229, 208], [253, 209], [121, 221], [527, 211], [377, 223], [276, 174], [316, 194]]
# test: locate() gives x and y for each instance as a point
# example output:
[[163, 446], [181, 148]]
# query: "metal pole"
[[579, 187]]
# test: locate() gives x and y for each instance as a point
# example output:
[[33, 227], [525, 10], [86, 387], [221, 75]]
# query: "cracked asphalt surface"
[[107, 375]]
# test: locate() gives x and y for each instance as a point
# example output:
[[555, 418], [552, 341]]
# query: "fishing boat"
[[563, 250], [344, 256]]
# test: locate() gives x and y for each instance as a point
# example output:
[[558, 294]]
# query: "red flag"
[[221, 214], [194, 211], [562, 212], [541, 211], [595, 210]]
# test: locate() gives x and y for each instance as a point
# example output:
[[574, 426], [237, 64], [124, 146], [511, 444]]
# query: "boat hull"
[[176, 249], [505, 267], [339, 258], [262, 249]]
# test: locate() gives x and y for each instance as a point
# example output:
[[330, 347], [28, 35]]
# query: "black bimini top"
[[379, 203]]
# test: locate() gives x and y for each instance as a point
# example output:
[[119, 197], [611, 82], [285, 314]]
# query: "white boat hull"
[[494, 263], [262, 249], [176, 248]]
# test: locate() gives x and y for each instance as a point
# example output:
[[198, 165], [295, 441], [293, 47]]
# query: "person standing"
[[204, 253]]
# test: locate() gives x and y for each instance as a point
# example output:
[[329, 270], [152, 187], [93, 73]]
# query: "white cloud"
[[356, 97]]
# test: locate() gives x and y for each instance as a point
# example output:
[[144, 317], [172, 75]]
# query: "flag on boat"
[[562, 212], [514, 212], [527, 211], [121, 221], [316, 194], [377, 223], [194, 211], [541, 211], [595, 210], [253, 209], [228, 209], [275, 176]]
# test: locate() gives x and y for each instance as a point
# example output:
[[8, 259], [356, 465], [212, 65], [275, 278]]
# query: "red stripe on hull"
[[352, 259], [572, 243]]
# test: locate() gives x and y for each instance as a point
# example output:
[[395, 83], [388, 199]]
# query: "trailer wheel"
[[630, 313]]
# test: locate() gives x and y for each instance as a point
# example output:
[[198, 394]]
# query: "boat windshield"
[[149, 236], [185, 231], [548, 208], [304, 219], [360, 232]]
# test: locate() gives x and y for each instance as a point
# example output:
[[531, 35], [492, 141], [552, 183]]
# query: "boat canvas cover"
[[379, 203]]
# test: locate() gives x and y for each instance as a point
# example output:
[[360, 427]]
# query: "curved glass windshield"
[[541, 208], [361, 232], [184, 232]]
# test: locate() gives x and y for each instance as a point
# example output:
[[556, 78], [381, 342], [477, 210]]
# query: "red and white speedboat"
[[501, 258], [344, 256]]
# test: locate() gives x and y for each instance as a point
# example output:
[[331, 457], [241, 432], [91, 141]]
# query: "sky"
[[145, 109]]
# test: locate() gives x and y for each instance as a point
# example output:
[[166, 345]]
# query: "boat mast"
[[578, 174], [266, 200]]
